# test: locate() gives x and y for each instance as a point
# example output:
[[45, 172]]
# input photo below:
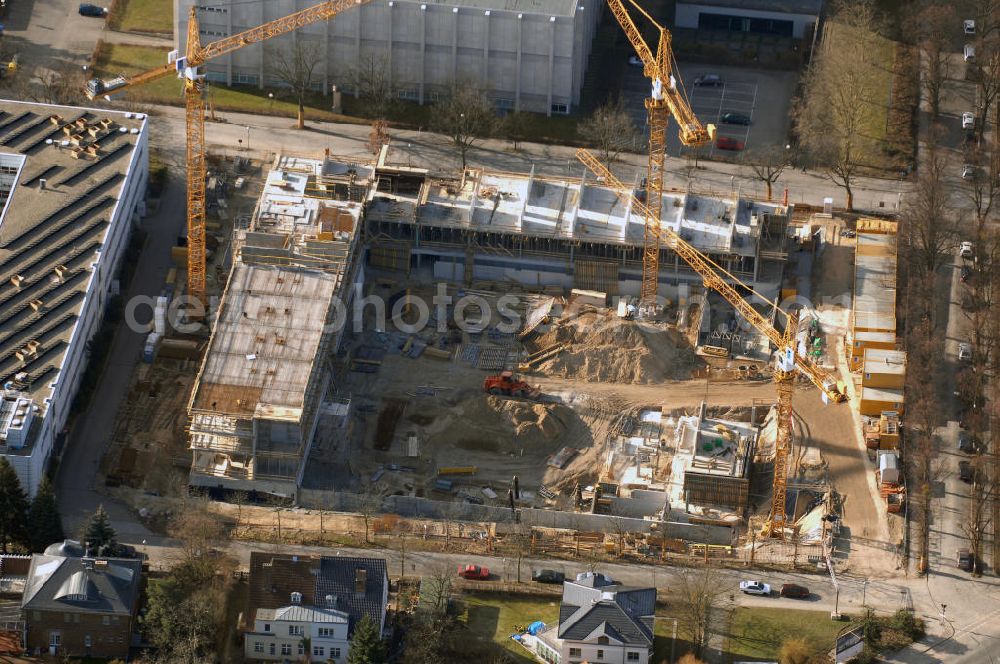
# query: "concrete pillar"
[[423, 53], [552, 63], [517, 71], [576, 208], [486, 50]]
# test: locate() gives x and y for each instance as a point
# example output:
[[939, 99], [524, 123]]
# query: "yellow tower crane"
[[666, 98], [789, 360], [186, 68]]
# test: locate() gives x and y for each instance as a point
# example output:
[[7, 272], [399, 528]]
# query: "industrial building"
[[527, 56], [72, 185], [573, 233], [256, 403], [782, 18]]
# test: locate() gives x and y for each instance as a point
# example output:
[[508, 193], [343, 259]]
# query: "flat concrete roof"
[[545, 7], [879, 337], [264, 344], [875, 280], [881, 394], [883, 361], [51, 238]]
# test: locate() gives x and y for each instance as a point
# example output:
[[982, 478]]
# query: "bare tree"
[[436, 587], [296, 68], [376, 86], [982, 493], [369, 504], [700, 593], [841, 101], [931, 27], [378, 136], [515, 128], [931, 229], [465, 116], [610, 129], [767, 165]]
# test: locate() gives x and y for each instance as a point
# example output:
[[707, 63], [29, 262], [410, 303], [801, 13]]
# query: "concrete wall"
[[124, 217], [687, 16], [527, 60]]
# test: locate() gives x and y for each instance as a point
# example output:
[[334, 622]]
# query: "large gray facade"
[[528, 55]]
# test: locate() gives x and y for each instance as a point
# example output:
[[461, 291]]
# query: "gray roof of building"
[[811, 7], [594, 607], [336, 577], [102, 585], [51, 237], [67, 549], [309, 614]]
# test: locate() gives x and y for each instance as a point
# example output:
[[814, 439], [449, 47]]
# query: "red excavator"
[[505, 384]]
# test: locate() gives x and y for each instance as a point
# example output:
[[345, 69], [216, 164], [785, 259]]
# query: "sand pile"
[[604, 348], [498, 424]]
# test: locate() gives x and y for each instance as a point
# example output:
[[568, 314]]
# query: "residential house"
[[79, 605], [302, 603], [600, 621]]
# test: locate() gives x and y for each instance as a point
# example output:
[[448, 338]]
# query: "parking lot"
[[762, 95]]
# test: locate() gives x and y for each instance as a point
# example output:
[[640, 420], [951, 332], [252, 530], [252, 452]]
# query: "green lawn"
[[757, 633], [494, 616], [144, 16]]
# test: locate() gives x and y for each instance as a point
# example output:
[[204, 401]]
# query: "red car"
[[727, 143], [474, 572]]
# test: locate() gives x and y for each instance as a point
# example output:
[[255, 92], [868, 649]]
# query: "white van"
[[969, 53]]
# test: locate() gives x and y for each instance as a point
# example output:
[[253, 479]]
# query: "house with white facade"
[[600, 621], [309, 606]]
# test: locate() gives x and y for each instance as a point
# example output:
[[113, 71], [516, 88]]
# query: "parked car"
[[966, 443], [474, 572], [965, 274], [727, 143], [966, 250], [735, 119], [969, 53], [969, 172], [794, 591], [969, 26], [964, 351], [965, 560], [709, 80], [752, 587], [93, 10], [634, 61], [848, 232], [968, 120], [547, 576], [965, 472]]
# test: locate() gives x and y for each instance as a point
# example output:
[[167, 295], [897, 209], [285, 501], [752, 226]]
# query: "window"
[[246, 79], [286, 648], [258, 646], [87, 641], [575, 652], [326, 632], [561, 109], [318, 651], [302, 648], [37, 615], [270, 648], [267, 627], [603, 641], [55, 639], [295, 630], [335, 652], [105, 620], [600, 654], [66, 617], [631, 657], [76, 617]]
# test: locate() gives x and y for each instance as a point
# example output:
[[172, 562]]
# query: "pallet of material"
[[437, 353], [562, 457], [458, 470]]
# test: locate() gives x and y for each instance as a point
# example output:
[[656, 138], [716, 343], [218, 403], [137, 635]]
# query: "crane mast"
[[186, 67], [666, 99], [790, 360]]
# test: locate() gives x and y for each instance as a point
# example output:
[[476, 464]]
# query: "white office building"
[[72, 183], [528, 55]]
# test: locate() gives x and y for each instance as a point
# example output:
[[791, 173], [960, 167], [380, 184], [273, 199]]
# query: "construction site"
[[576, 353]]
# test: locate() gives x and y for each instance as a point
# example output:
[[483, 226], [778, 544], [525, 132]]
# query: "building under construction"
[[573, 233], [72, 186], [255, 405]]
